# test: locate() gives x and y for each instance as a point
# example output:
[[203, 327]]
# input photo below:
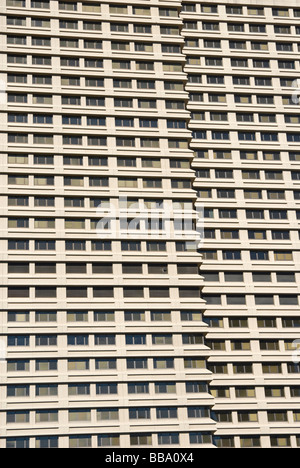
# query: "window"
[[18, 292], [17, 417], [282, 12], [46, 365], [138, 388], [284, 256], [17, 268], [280, 441], [118, 10], [46, 416], [134, 316], [139, 413], [107, 389], [108, 441], [105, 340], [108, 414], [283, 277], [68, 24], [137, 363], [17, 391], [250, 442], [145, 439], [80, 442], [46, 442], [133, 292], [92, 26], [18, 340]]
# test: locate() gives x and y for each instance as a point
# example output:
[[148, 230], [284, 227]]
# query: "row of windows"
[[101, 203], [252, 392], [243, 63], [145, 10], [124, 28], [247, 368], [269, 100], [95, 101], [101, 268], [86, 415], [149, 440], [223, 213], [127, 142], [279, 441], [156, 316], [246, 345], [123, 182], [257, 277], [147, 388], [227, 213], [124, 122], [111, 339], [150, 204], [141, 339], [238, 99], [247, 174], [153, 224], [112, 440], [121, 142], [261, 322], [260, 299], [131, 162], [95, 7], [252, 255], [100, 246], [144, 103], [105, 389], [24, 365], [150, 364], [238, 10], [102, 316], [216, 79], [243, 45], [148, 29], [195, 79], [103, 292], [246, 136], [127, 122], [103, 224], [248, 155], [232, 234], [246, 117], [108, 414], [241, 27], [73, 81], [94, 63], [73, 43], [97, 161], [149, 47], [248, 194]]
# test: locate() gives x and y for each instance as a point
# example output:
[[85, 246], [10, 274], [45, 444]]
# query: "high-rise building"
[[243, 67], [101, 313], [109, 337]]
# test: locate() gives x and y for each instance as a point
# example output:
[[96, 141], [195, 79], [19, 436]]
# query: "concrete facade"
[[109, 336]]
